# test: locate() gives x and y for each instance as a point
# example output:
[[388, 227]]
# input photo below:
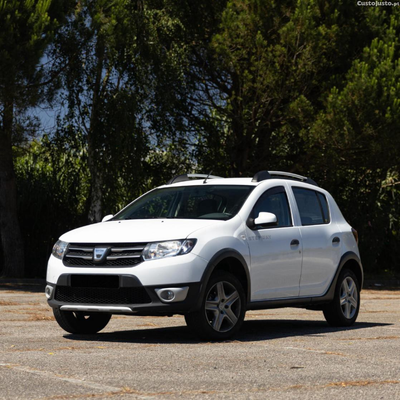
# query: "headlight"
[[172, 248], [59, 249]]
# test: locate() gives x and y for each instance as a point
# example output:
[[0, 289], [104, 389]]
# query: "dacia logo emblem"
[[100, 254]]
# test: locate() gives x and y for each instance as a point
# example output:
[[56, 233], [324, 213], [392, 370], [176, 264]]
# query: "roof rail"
[[263, 175], [187, 177]]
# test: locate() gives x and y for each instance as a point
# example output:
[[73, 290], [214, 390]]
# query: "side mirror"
[[266, 219], [107, 218]]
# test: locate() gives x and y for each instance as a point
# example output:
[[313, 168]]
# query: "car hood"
[[137, 231]]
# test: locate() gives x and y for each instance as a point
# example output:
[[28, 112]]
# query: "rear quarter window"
[[312, 205]]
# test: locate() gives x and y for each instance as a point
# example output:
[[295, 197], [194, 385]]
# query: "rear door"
[[321, 239]]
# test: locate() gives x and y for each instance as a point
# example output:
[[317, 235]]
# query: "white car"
[[210, 249]]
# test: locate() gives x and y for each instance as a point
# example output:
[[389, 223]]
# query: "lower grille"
[[97, 295]]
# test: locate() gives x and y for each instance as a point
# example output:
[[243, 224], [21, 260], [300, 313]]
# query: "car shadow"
[[260, 330]]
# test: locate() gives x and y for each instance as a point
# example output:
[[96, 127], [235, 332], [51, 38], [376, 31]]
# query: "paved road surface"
[[279, 354]]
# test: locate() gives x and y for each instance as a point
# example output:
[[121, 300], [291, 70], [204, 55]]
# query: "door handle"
[[335, 240], [294, 242]]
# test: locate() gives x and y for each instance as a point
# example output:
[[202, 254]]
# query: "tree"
[[257, 71], [355, 142], [27, 28], [117, 54], [53, 185]]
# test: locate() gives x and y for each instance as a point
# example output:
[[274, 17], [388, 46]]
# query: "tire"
[[81, 322], [222, 310], [343, 310]]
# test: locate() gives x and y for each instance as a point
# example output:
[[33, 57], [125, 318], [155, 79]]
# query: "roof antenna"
[[205, 180]]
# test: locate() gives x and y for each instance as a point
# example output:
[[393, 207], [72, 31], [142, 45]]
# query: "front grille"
[[98, 295], [115, 255]]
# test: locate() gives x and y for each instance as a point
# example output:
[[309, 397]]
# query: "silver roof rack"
[[188, 177], [263, 175]]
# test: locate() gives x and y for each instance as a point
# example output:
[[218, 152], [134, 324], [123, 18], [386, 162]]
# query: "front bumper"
[[121, 294]]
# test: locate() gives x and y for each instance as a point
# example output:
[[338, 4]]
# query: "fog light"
[[167, 295], [171, 295], [48, 291]]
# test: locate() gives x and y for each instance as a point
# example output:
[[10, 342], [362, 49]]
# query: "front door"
[[275, 250]]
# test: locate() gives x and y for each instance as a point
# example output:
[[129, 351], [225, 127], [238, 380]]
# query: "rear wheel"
[[81, 322], [222, 309], [343, 310]]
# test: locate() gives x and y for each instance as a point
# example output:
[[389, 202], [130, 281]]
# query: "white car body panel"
[[276, 269], [320, 258], [212, 236], [167, 271], [275, 264], [136, 231]]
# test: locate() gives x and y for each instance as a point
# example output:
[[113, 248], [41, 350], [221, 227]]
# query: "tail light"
[[355, 234]]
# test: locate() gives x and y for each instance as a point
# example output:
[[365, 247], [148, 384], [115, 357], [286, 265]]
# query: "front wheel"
[[81, 322], [222, 309], [343, 310]]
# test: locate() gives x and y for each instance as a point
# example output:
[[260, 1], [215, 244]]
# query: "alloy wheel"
[[348, 297], [222, 306]]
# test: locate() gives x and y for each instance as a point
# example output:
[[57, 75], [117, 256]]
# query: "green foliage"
[[53, 187], [268, 61], [24, 23], [149, 89], [309, 87], [355, 141], [121, 64], [27, 28]]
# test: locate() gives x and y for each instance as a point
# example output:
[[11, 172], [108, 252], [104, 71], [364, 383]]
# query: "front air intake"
[[98, 295]]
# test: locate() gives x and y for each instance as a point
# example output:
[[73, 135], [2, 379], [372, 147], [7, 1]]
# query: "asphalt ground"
[[279, 354]]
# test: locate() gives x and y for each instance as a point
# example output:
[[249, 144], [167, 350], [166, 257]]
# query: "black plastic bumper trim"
[[154, 307]]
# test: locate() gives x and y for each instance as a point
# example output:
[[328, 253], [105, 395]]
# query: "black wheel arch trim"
[[349, 256], [219, 257]]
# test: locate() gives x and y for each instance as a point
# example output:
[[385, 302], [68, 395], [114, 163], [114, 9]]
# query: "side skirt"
[[312, 303]]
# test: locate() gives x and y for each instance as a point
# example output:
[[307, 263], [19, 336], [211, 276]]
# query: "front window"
[[189, 202], [274, 201]]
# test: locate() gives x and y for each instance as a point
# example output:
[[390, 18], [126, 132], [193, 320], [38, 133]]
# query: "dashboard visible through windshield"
[[220, 202]]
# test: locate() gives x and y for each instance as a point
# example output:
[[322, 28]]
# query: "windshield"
[[188, 202]]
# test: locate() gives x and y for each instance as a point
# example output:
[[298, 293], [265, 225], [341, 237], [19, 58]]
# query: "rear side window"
[[312, 205]]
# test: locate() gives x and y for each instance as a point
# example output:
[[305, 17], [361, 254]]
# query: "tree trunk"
[[240, 142], [96, 195], [10, 233], [94, 142]]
